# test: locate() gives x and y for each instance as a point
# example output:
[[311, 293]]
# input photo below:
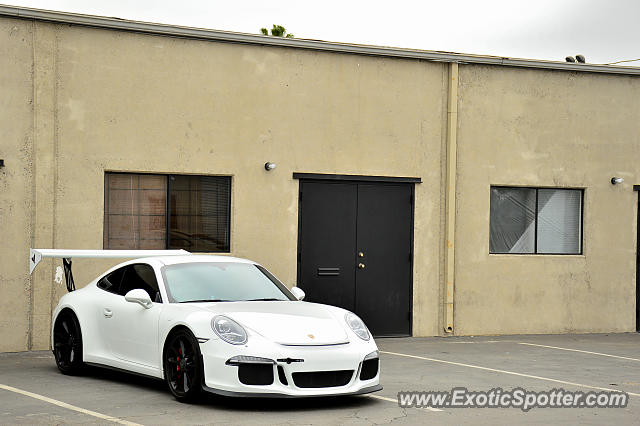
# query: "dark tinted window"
[[145, 211], [199, 212], [140, 276], [111, 282], [535, 220], [135, 209]]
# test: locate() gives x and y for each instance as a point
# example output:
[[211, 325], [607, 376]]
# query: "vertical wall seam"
[[54, 224], [34, 135], [442, 200], [452, 146]]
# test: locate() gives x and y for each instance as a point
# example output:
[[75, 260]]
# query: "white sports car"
[[214, 323]]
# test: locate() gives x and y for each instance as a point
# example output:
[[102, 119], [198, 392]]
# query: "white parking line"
[[577, 350], [384, 398], [513, 373], [68, 406], [481, 341]]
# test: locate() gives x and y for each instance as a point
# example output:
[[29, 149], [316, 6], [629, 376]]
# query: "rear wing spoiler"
[[36, 255]]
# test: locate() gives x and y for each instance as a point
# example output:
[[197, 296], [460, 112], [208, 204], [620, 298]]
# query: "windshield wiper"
[[266, 299], [205, 300]]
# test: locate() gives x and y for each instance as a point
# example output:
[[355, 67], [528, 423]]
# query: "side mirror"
[[138, 295], [298, 293]]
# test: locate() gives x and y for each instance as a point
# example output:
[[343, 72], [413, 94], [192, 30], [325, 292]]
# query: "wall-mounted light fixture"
[[268, 166], [616, 180]]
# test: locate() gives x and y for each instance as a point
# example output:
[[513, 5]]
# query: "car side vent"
[[281, 376]]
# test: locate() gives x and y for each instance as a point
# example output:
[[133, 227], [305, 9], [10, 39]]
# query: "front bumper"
[[223, 379], [362, 391]]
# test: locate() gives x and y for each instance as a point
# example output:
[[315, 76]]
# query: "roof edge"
[[256, 39]]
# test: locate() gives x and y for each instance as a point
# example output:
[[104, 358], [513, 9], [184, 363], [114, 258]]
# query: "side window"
[[140, 276], [535, 220], [149, 211], [111, 282]]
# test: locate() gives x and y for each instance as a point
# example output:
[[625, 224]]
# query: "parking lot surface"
[[32, 391]]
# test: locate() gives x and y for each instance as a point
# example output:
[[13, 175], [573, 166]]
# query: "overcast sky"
[[602, 30]]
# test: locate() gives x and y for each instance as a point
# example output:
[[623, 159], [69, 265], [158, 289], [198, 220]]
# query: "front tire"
[[182, 364], [67, 343]]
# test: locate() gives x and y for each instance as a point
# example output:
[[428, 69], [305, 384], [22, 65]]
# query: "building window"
[[145, 211], [535, 220]]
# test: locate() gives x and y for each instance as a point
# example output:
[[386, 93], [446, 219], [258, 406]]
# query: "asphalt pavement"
[[32, 391]]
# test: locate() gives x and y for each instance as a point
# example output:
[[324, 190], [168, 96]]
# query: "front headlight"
[[357, 326], [229, 330]]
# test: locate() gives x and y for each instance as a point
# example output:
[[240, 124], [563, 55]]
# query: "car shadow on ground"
[[144, 383], [123, 377], [285, 404]]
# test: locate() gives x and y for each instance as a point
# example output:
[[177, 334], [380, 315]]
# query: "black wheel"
[[67, 343], [183, 366]]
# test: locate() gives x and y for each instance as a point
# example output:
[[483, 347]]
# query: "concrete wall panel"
[[16, 181], [139, 103], [547, 129], [82, 101]]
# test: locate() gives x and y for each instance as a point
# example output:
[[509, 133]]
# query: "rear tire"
[[182, 363], [67, 343]]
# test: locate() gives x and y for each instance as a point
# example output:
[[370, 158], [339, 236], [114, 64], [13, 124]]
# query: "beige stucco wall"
[[16, 180], [547, 129], [83, 101], [119, 101]]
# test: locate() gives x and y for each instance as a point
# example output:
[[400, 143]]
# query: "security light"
[[268, 166], [616, 180]]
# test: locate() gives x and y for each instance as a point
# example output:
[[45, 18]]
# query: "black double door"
[[355, 250]]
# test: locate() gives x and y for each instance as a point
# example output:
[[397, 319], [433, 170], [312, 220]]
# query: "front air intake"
[[369, 369], [322, 379], [255, 374]]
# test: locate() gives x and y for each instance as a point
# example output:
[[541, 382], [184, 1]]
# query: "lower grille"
[[322, 379]]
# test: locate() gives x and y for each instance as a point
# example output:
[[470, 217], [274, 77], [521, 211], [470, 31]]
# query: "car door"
[[131, 329], [103, 314]]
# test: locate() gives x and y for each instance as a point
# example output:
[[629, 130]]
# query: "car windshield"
[[221, 282]]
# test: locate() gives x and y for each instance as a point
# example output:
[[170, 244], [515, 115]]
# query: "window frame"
[[167, 206], [535, 241]]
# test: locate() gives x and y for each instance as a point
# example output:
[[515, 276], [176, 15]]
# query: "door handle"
[[361, 265], [108, 313]]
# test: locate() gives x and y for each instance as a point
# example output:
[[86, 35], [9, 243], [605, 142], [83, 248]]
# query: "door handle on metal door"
[[107, 312]]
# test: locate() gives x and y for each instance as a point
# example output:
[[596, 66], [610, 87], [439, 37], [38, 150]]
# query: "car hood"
[[287, 323]]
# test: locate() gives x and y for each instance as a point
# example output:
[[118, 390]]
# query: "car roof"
[[179, 259], [196, 258]]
